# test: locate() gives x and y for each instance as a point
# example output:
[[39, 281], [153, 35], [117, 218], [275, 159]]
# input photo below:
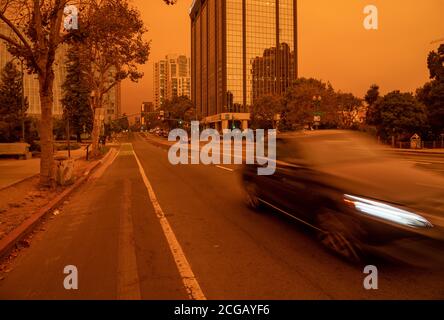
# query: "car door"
[[292, 189], [288, 189]]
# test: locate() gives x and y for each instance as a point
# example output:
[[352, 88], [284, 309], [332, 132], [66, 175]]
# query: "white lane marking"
[[128, 287], [225, 168], [185, 271]]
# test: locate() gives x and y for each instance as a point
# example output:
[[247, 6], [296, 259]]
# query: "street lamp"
[[23, 99], [22, 111], [317, 99]]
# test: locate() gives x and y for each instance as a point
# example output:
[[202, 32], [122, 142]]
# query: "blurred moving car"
[[357, 199]]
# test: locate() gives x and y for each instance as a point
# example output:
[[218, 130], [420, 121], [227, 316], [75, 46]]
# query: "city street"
[[157, 231]]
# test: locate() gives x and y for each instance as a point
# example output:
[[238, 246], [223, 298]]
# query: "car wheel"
[[251, 196], [335, 235]]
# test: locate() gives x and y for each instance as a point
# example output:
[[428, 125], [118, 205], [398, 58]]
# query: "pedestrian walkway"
[[13, 171]]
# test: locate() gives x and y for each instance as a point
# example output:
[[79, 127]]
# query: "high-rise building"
[[240, 50], [172, 78], [112, 103], [263, 71], [31, 82], [160, 85]]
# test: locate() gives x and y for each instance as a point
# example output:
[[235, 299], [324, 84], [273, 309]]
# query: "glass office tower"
[[241, 50]]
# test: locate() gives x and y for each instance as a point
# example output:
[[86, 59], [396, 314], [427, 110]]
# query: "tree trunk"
[[46, 134]]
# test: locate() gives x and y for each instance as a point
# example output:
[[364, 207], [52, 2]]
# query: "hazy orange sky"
[[334, 46]]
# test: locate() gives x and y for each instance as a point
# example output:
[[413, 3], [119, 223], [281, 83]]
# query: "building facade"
[[112, 103], [172, 78], [31, 83], [241, 50], [146, 110]]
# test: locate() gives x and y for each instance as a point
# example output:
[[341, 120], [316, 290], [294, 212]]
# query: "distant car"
[[358, 200]]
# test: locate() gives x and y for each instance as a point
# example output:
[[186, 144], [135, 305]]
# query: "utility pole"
[[23, 100], [69, 137], [317, 99]]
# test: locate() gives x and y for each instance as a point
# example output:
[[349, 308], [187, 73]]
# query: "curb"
[[407, 151], [9, 242]]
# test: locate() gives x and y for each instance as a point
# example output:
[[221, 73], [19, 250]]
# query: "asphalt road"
[[179, 230]]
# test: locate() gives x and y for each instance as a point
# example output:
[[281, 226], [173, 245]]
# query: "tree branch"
[[19, 35]]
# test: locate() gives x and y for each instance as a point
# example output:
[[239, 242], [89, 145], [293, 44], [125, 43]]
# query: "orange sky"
[[334, 46]]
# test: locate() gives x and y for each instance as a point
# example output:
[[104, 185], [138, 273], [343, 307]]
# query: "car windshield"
[[337, 148]]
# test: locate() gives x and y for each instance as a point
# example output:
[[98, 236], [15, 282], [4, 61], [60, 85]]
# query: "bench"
[[15, 149]]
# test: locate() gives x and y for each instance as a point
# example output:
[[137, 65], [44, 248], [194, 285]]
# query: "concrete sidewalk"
[[13, 171]]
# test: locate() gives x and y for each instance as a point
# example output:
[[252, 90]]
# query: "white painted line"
[[187, 275], [225, 168]]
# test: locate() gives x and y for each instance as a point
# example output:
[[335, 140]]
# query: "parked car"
[[358, 200]]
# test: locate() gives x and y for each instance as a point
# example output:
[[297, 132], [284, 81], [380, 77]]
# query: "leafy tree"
[[124, 122], [399, 113], [372, 95], [432, 93], [114, 40], [11, 95], [264, 110], [349, 107], [77, 93], [370, 98], [299, 107], [180, 108], [435, 63]]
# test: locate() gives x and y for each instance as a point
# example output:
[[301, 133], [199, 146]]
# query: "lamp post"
[[317, 99], [23, 99], [68, 133], [22, 102]]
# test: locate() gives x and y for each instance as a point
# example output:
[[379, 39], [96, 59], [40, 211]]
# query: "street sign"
[[317, 119]]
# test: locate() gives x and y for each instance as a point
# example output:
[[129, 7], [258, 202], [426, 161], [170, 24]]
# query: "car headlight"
[[387, 212]]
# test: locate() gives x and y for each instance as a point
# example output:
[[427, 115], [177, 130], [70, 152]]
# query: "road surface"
[[144, 229]]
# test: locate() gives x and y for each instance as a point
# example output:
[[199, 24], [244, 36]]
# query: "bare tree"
[[32, 30]]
